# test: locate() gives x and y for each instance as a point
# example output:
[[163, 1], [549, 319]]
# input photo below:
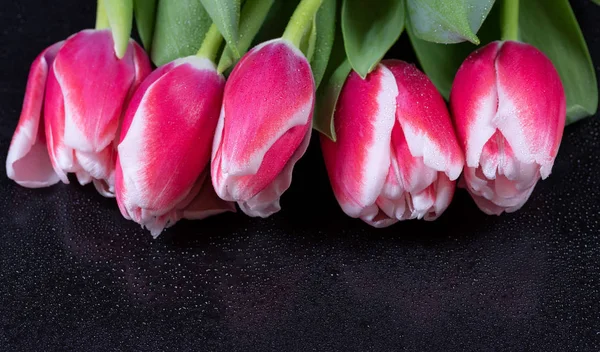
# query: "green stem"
[[252, 17], [101, 16], [510, 20], [211, 44], [301, 21]]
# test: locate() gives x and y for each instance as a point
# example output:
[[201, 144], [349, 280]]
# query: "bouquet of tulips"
[[240, 84]]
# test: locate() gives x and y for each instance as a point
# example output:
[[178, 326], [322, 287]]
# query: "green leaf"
[[370, 28], [252, 17], [145, 14], [448, 21], [330, 94], [307, 45], [441, 61], [338, 69], [120, 17], [597, 2], [555, 31], [179, 30], [325, 24], [478, 10], [225, 14]]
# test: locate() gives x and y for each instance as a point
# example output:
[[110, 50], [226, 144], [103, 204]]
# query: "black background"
[[76, 276]]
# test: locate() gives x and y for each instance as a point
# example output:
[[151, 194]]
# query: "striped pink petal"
[[95, 84], [359, 161], [28, 162], [425, 121], [264, 124], [166, 142], [61, 156]]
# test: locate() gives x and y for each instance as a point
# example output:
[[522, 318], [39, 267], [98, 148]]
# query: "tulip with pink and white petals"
[[396, 156], [162, 171], [87, 91], [264, 127], [509, 110], [27, 162]]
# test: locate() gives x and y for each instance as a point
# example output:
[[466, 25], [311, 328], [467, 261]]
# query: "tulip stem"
[[301, 21], [510, 20], [101, 16], [211, 44]]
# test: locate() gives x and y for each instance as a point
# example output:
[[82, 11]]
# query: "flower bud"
[[87, 91], [509, 110], [396, 156], [264, 127], [162, 172]]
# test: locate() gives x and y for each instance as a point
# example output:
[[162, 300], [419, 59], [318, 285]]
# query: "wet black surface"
[[76, 276]]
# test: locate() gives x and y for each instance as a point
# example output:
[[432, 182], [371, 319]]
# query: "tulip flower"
[[264, 127], [87, 90], [27, 162], [162, 172], [509, 110], [396, 156]]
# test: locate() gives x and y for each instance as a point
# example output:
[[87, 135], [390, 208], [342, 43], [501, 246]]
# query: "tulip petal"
[[83, 177], [136, 98], [422, 202], [99, 165], [61, 156], [379, 219], [264, 122], [489, 203], [393, 208], [425, 121], [412, 173], [266, 202], [243, 187], [157, 221], [166, 140], [142, 66], [359, 161], [532, 104], [408, 181], [93, 107], [126, 190], [474, 101], [444, 190], [206, 203], [105, 188], [502, 179], [28, 162]]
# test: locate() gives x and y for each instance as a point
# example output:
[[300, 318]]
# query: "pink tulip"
[[396, 156], [509, 111], [87, 90], [264, 127], [27, 162], [162, 172]]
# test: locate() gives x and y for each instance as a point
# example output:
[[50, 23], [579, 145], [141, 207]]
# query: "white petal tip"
[[260, 211]]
